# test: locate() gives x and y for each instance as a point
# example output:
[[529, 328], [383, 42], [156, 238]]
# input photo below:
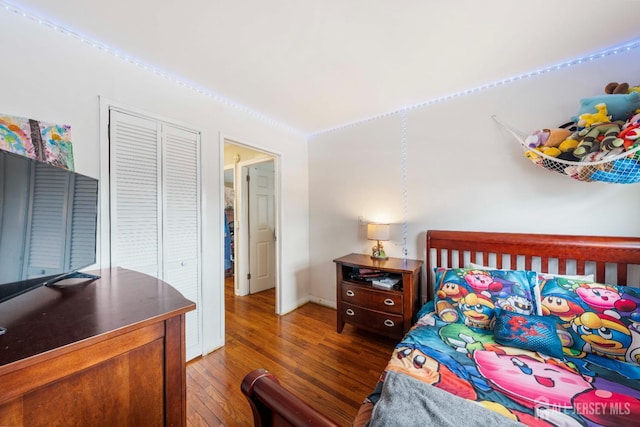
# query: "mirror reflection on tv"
[[48, 220]]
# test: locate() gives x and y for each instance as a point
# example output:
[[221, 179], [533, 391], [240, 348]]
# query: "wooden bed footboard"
[[273, 405]]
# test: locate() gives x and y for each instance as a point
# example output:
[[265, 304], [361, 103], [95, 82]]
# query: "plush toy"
[[534, 157], [569, 144], [547, 137], [615, 87], [630, 131], [589, 119], [601, 137], [619, 106], [550, 151]]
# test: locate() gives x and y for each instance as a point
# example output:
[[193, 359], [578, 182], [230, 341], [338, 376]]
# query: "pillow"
[[535, 333], [470, 296], [597, 318], [586, 277]]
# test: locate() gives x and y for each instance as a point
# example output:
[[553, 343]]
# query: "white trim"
[[239, 233]]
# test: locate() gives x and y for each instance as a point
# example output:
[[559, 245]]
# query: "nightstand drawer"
[[374, 299], [388, 324]]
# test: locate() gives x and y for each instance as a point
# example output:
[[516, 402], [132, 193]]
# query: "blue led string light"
[[244, 109], [150, 68], [570, 63], [403, 171]]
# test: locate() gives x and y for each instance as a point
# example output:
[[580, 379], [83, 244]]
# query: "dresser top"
[[398, 265], [47, 318]]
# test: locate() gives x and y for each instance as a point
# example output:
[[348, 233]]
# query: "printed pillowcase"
[[594, 318], [542, 277], [586, 277], [535, 333], [470, 296]]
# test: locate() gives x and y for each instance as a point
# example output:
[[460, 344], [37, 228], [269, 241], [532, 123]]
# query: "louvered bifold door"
[[181, 220], [135, 189], [48, 219], [83, 222]]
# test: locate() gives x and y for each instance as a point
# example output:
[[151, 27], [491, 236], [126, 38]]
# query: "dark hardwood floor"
[[331, 372]]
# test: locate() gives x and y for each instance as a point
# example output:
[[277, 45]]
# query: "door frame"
[[241, 266]]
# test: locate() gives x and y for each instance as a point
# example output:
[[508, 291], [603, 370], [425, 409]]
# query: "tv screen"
[[48, 220]]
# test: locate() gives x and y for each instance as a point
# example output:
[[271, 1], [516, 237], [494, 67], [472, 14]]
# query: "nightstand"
[[363, 304]]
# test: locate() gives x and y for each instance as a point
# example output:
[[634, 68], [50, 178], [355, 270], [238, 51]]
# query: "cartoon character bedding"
[[540, 350]]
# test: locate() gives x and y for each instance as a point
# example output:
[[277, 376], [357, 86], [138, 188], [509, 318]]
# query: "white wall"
[[53, 77], [463, 172]]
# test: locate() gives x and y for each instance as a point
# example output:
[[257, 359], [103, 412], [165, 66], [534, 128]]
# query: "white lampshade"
[[378, 231]]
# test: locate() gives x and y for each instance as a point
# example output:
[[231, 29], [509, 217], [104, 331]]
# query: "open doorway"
[[251, 204]]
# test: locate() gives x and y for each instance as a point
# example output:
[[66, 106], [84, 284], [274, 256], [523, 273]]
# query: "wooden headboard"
[[611, 259]]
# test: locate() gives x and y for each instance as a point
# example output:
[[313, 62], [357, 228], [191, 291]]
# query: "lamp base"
[[377, 252]]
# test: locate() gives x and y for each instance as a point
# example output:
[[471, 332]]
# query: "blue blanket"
[[521, 385]]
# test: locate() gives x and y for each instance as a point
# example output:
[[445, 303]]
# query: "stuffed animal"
[[615, 87], [600, 137], [564, 150], [589, 119], [547, 137], [550, 151], [630, 131], [619, 106], [569, 144]]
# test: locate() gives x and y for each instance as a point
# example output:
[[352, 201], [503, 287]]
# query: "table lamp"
[[378, 232]]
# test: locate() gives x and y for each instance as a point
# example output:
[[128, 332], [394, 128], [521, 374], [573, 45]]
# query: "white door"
[[48, 221], [262, 232], [135, 193], [155, 205], [181, 229]]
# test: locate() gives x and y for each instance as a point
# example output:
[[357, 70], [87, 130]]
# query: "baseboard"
[[322, 301]]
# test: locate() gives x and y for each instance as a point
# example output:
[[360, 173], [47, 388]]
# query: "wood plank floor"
[[331, 372]]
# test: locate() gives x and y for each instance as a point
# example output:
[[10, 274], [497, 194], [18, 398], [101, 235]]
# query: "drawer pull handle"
[[350, 312], [389, 323], [350, 293], [389, 301]]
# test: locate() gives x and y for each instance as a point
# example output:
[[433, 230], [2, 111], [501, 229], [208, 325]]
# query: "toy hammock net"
[[615, 168]]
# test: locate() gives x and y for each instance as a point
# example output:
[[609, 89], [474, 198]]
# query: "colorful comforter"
[[525, 386]]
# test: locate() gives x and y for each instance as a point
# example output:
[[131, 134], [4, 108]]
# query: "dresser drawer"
[[374, 299], [384, 323]]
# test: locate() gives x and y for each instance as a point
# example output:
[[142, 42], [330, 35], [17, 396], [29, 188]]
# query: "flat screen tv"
[[48, 220]]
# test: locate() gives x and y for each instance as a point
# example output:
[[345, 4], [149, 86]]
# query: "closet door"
[[155, 206], [48, 219], [135, 189], [83, 220], [14, 208], [181, 226]]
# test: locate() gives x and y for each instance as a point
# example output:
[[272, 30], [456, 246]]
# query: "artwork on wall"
[[46, 142]]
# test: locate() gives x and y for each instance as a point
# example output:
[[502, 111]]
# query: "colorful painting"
[[46, 142]]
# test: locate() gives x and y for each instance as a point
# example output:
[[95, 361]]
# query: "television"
[[48, 223]]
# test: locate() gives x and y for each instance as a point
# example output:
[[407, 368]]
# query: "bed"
[[520, 328]]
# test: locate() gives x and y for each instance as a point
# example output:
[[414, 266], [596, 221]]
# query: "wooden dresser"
[[105, 353], [386, 311]]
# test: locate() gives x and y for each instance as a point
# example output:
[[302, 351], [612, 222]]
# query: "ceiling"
[[317, 65]]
